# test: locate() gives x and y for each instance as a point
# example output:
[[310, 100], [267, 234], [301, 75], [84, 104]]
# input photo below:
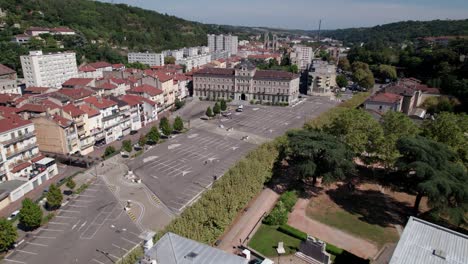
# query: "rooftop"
[[5, 70], [385, 98], [174, 249], [76, 94], [77, 82], [147, 89], [100, 64], [12, 121], [8, 186], [427, 243], [89, 110], [73, 110], [100, 103]]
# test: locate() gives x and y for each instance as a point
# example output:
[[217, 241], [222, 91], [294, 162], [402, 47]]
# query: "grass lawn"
[[266, 240]]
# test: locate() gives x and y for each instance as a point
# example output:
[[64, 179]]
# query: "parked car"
[[240, 108], [119, 138], [133, 132], [13, 215]]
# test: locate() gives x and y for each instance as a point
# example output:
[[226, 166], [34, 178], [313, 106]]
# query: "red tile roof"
[[87, 68], [107, 86], [135, 99], [36, 90], [4, 70], [147, 89], [261, 74], [61, 121], [385, 98], [78, 82], [8, 98], [76, 94], [89, 110], [73, 110], [8, 110], [12, 121], [61, 29], [38, 158], [21, 167], [117, 80], [117, 66], [162, 76], [100, 64], [100, 103], [35, 108], [214, 71]]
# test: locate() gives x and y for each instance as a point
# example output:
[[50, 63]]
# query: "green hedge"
[[289, 199], [334, 250], [289, 230], [206, 220]]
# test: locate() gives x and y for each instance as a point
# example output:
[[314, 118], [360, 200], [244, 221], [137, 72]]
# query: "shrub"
[[209, 112], [47, 218], [289, 199], [30, 215], [334, 250], [289, 230], [127, 145], [81, 188], [179, 103], [252, 101], [277, 216], [223, 105], [110, 150], [178, 124]]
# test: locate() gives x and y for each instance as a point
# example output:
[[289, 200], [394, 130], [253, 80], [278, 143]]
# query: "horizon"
[[282, 15]]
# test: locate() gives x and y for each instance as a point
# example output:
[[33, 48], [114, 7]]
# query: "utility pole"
[[318, 33]]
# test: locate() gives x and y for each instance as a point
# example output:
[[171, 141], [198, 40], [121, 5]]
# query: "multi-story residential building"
[[204, 50], [246, 83], [8, 83], [151, 59], [150, 92], [110, 116], [195, 61], [227, 43], [302, 56], [322, 77], [190, 52], [48, 70], [219, 42], [147, 110], [80, 118], [56, 134], [94, 123], [231, 44], [211, 42], [383, 102], [95, 70], [177, 54]]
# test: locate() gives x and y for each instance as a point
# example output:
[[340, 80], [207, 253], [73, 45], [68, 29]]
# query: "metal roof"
[[427, 243], [174, 249]]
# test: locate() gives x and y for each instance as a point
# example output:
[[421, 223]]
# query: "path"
[[244, 223], [359, 247]]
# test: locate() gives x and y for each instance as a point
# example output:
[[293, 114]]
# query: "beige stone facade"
[[246, 83]]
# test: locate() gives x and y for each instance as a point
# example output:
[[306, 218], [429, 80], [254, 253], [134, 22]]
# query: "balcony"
[[81, 133], [110, 117], [18, 139], [79, 122], [15, 152]]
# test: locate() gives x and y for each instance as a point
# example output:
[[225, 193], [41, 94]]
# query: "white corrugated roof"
[[174, 249], [421, 241]]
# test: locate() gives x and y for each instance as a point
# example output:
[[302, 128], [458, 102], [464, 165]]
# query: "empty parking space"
[[182, 168], [93, 228]]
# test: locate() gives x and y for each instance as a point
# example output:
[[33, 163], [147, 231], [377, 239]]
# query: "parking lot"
[[183, 167], [93, 228]]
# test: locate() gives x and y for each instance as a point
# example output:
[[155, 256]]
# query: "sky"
[[305, 14]]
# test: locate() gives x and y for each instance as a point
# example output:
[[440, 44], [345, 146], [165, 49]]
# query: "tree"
[[179, 103], [178, 124], [142, 141], [359, 130], [208, 112], [313, 154], [169, 60], [343, 64], [293, 68], [428, 168], [71, 183], [30, 215], [387, 72], [364, 78], [216, 109], [341, 81], [54, 197], [109, 151], [8, 234], [223, 105], [153, 135], [165, 126], [127, 145], [395, 125]]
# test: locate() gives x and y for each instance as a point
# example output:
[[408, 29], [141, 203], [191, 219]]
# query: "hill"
[[401, 31]]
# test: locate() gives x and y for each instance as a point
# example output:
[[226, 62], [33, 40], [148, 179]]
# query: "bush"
[[178, 124], [47, 218], [289, 199], [209, 112], [127, 145], [71, 183], [165, 126], [110, 151], [30, 215], [54, 197], [334, 250], [289, 230], [178, 103], [8, 234], [81, 188], [252, 101], [277, 216], [223, 105]]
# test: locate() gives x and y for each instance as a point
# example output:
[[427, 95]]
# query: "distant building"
[[302, 56], [194, 61], [48, 70], [322, 76], [246, 83], [423, 242], [223, 43], [8, 84], [174, 249], [383, 102], [151, 59]]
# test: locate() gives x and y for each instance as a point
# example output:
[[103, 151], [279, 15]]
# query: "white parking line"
[[97, 261], [119, 247], [37, 244], [78, 206], [69, 211], [84, 195], [48, 237], [67, 217], [57, 223], [129, 241], [53, 230], [16, 261], [27, 252]]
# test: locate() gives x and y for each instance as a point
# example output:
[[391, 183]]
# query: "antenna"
[[318, 33]]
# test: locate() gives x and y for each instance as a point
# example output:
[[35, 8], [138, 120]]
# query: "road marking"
[[95, 260], [73, 227], [37, 244], [27, 252], [129, 241], [92, 190], [16, 261], [57, 223], [53, 230], [84, 195], [69, 211], [119, 247], [78, 206], [45, 237], [68, 217], [82, 225]]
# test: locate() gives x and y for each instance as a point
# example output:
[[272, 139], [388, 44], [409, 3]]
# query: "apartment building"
[[195, 61], [223, 43], [151, 59], [322, 77], [144, 107], [302, 56], [8, 83], [83, 129], [48, 70], [94, 123], [211, 42], [56, 134], [150, 92], [110, 117], [245, 82]]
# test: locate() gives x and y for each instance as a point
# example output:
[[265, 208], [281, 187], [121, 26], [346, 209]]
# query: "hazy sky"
[[305, 14]]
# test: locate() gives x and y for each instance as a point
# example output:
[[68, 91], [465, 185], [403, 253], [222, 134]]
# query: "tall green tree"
[[71, 183], [314, 154], [153, 135], [208, 112], [216, 109], [8, 234], [344, 64], [169, 60], [387, 72], [142, 140], [109, 151], [178, 124], [359, 130], [30, 215], [341, 81], [127, 145], [223, 105], [429, 169], [54, 197], [165, 126]]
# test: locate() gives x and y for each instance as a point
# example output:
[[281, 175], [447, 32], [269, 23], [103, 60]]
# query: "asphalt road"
[[93, 228]]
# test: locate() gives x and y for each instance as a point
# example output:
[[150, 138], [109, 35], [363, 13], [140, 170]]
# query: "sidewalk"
[[357, 246], [246, 221]]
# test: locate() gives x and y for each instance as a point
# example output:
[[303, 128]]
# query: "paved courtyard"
[[93, 228]]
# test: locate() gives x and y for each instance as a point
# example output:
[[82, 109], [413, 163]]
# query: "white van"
[[240, 108], [13, 215]]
